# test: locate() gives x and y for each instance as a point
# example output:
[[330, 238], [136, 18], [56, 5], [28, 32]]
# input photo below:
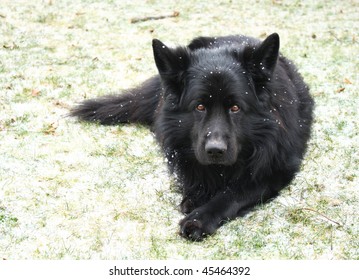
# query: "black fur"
[[233, 117]]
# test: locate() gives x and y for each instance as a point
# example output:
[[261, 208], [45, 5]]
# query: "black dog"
[[233, 117]]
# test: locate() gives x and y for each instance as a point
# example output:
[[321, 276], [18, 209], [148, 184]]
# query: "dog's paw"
[[197, 226]]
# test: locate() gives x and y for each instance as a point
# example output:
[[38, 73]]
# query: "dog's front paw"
[[197, 225]]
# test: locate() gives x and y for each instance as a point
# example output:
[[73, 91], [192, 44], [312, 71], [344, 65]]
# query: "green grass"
[[70, 190]]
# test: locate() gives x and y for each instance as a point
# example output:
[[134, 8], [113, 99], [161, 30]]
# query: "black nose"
[[216, 148]]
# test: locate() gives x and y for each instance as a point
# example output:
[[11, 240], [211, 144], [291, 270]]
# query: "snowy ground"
[[76, 191]]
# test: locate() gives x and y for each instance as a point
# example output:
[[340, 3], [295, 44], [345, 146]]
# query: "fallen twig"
[[324, 216], [135, 20]]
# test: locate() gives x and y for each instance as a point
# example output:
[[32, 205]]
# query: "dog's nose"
[[216, 148]]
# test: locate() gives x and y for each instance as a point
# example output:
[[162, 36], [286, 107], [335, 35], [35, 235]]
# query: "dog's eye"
[[201, 108], [235, 109]]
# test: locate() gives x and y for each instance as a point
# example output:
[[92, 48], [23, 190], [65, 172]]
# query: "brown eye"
[[201, 107], [235, 109]]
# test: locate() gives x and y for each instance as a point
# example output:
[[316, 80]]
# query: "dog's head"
[[212, 91]]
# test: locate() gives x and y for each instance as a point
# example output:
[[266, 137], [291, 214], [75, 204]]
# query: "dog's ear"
[[169, 61], [265, 57]]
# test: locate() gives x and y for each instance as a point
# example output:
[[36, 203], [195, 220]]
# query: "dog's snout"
[[216, 148]]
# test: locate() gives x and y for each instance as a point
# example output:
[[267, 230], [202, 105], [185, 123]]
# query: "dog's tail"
[[137, 105]]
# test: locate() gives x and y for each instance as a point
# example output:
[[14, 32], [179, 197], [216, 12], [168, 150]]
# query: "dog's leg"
[[223, 207]]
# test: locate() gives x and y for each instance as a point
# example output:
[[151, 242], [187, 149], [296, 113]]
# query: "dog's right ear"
[[169, 61]]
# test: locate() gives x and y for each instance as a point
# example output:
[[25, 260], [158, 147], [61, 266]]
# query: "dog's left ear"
[[169, 61], [266, 55]]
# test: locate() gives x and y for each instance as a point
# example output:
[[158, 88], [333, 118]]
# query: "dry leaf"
[[340, 89], [50, 129], [35, 93], [347, 81]]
